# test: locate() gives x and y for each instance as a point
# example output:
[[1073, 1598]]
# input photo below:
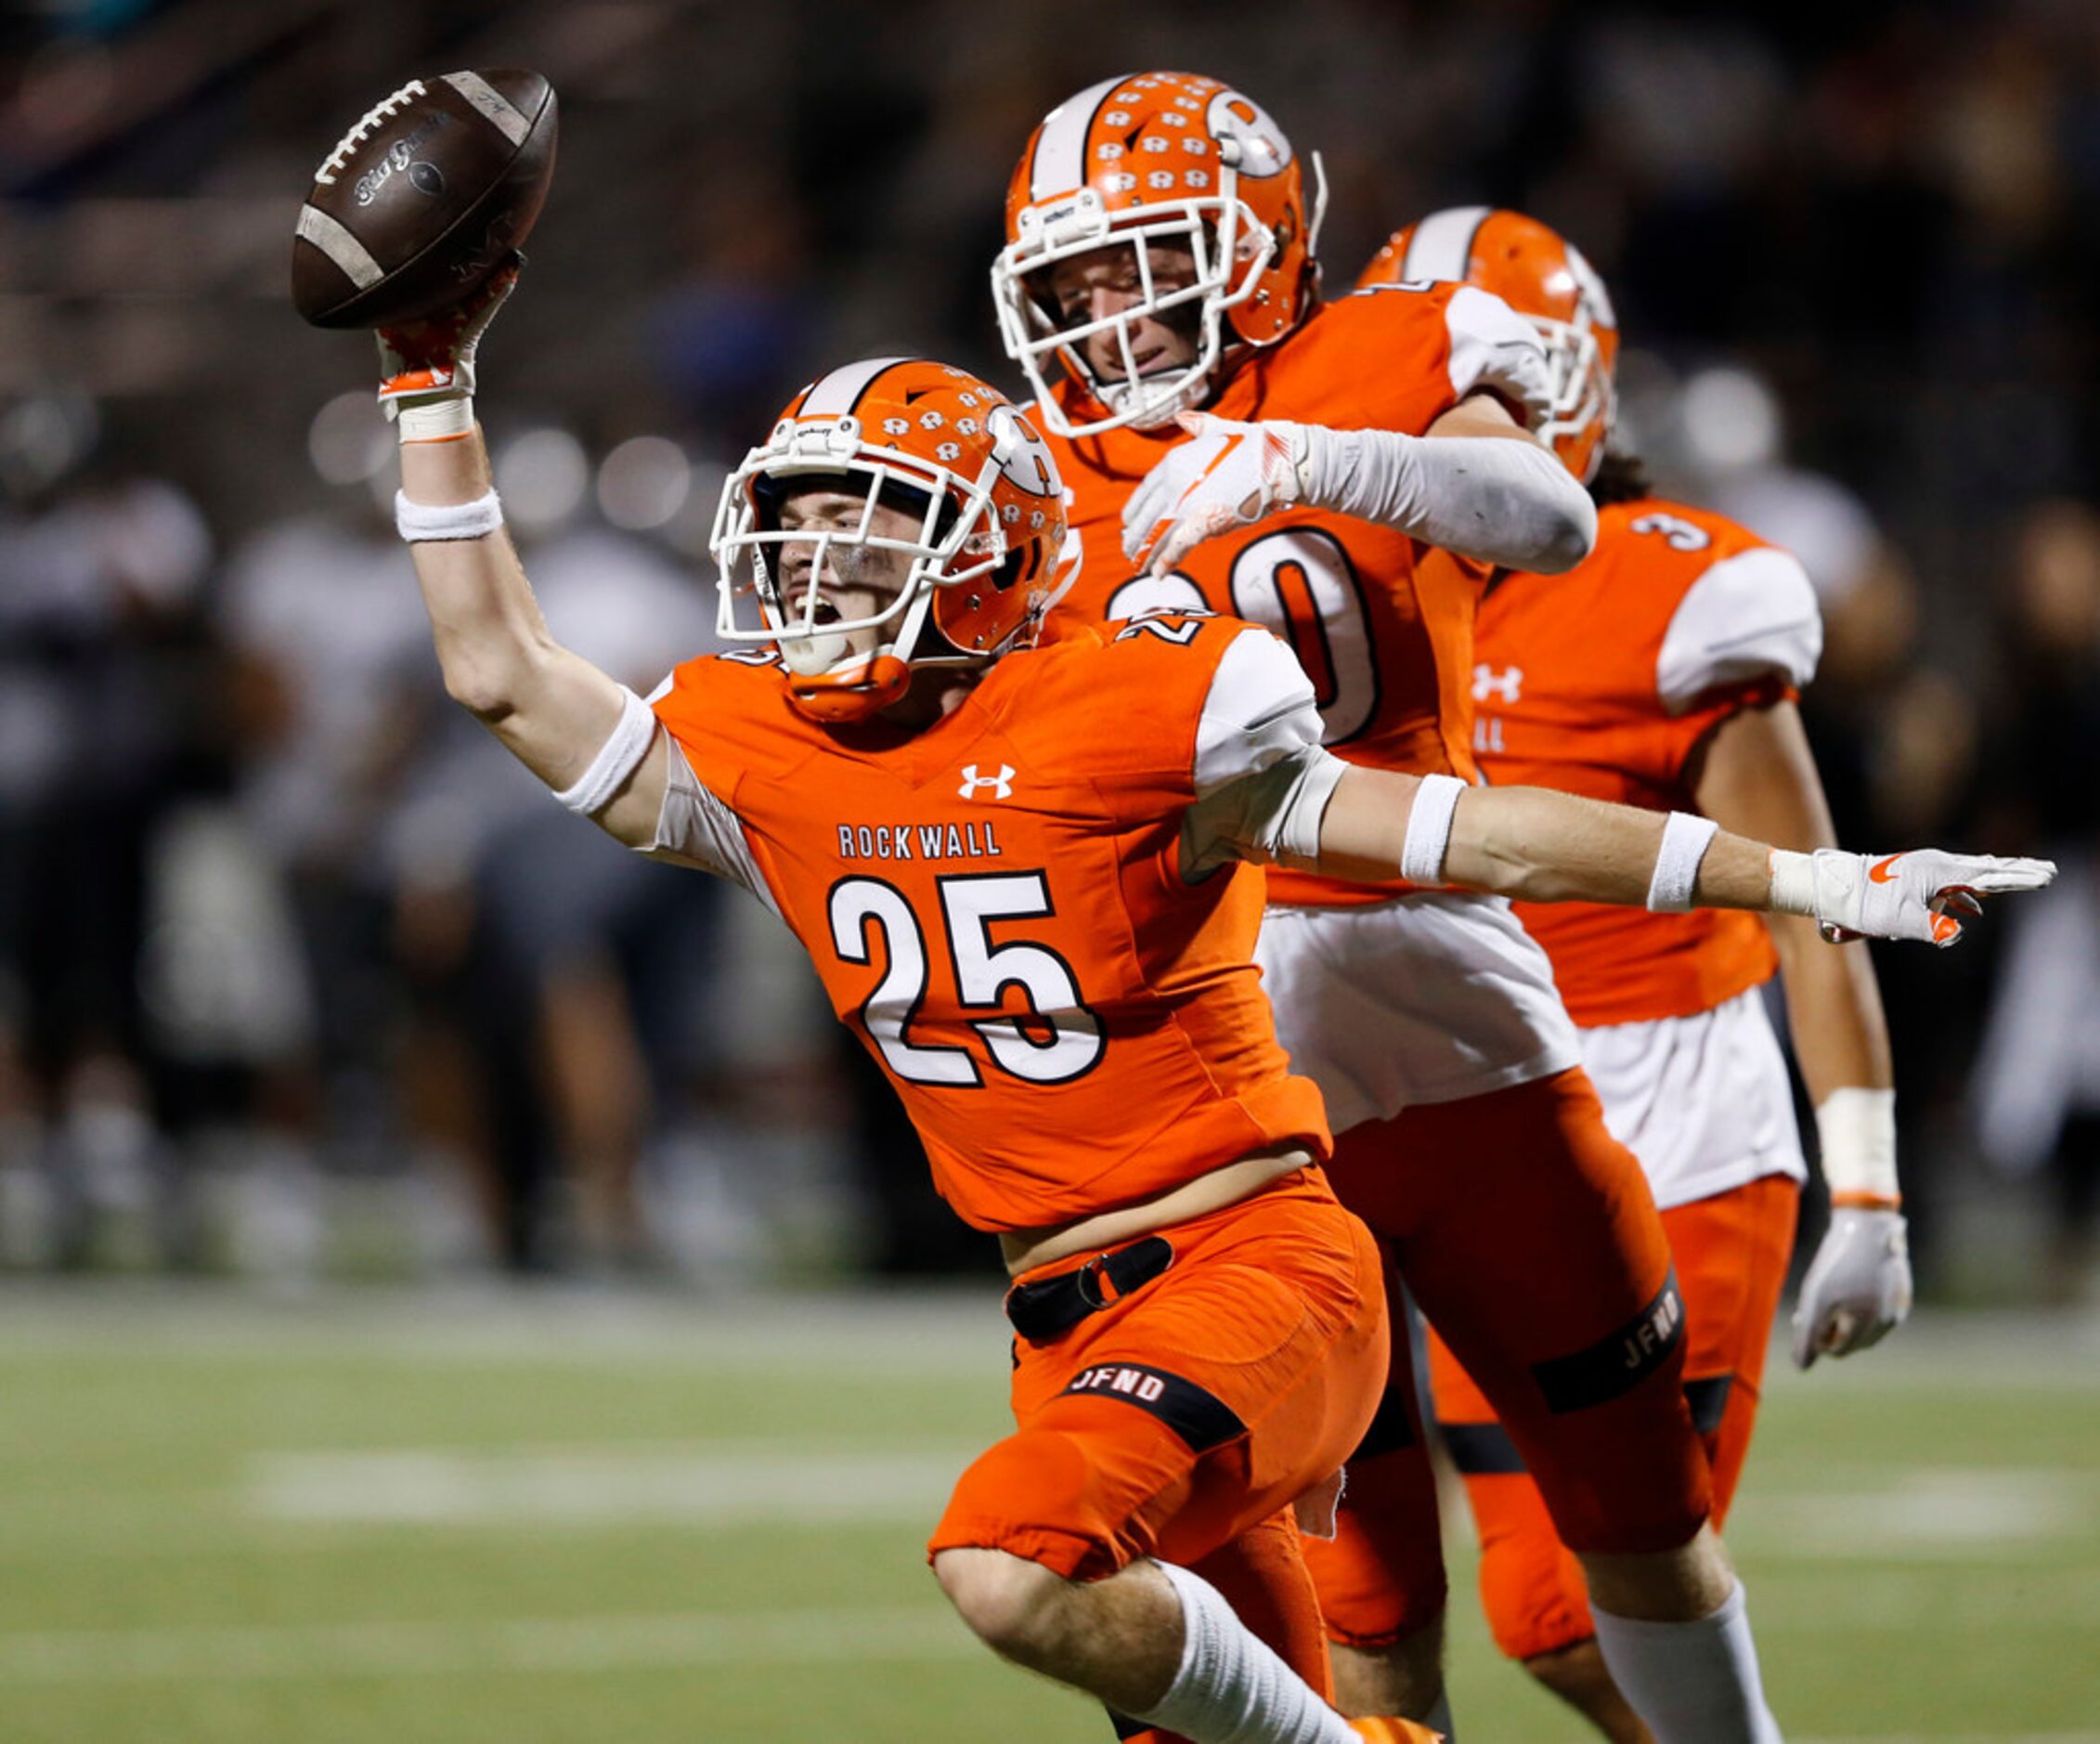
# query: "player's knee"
[[1404, 1677], [1680, 1585], [1008, 1602]]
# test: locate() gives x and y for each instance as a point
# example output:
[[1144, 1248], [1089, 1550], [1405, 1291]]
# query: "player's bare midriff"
[[1026, 1249]]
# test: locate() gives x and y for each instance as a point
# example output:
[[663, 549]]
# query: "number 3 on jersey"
[[1057, 1040], [1678, 533]]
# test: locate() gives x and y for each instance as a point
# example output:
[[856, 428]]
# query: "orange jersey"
[[1381, 622], [997, 906], [1601, 682]]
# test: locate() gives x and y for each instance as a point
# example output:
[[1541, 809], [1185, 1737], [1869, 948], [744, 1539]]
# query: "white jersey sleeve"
[[1748, 616], [1261, 777], [698, 828], [1494, 350]]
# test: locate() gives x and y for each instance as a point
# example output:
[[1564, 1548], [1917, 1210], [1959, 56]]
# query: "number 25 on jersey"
[[1054, 1041]]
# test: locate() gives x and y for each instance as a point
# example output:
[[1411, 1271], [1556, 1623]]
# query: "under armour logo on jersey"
[[1002, 784], [1507, 683]]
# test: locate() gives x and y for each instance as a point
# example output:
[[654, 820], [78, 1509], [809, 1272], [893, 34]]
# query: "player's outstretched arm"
[[1537, 845], [580, 731], [1505, 500], [1756, 776]]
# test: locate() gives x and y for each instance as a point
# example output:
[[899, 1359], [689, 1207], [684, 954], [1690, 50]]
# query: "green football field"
[[570, 1516]]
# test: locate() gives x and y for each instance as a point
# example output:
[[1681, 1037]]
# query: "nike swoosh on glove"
[[1232, 475], [1857, 1287], [1913, 895]]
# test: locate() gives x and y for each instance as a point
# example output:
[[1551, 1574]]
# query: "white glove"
[[426, 368], [1897, 896], [1232, 475], [1858, 1289]]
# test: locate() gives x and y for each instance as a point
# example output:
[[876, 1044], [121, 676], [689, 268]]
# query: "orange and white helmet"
[[954, 453], [1544, 277], [1155, 158]]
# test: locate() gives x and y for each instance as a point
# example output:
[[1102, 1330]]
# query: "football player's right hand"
[[1914, 895], [1857, 1287], [1231, 476], [427, 364]]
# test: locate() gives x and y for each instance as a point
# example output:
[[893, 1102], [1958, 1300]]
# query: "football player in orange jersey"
[[1159, 259], [1662, 673], [1025, 879], [1349, 474]]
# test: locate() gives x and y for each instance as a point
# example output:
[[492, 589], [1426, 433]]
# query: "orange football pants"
[[1528, 1237], [1187, 1413], [1731, 1257]]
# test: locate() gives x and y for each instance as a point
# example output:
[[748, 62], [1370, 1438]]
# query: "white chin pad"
[[813, 656], [1119, 396]]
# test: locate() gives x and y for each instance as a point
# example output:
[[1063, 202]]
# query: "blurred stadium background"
[[452, 1273]]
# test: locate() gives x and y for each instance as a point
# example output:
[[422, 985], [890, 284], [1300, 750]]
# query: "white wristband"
[[436, 419], [1685, 841], [1856, 1128], [1429, 828], [419, 521], [617, 759]]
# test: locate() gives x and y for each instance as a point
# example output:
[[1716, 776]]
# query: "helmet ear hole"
[[1009, 570]]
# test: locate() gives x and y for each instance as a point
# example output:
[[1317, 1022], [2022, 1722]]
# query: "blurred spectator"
[[2037, 1083], [338, 696], [99, 573]]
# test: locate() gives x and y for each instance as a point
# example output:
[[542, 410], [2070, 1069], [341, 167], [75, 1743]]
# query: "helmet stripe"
[[1442, 246], [1060, 151], [839, 392]]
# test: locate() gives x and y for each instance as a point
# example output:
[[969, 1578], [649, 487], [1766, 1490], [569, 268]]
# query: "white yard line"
[[595, 1487], [1949, 1514], [396, 1649], [945, 1333], [1980, 1517], [1979, 1513]]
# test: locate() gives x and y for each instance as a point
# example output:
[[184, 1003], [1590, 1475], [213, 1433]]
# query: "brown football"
[[423, 199]]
